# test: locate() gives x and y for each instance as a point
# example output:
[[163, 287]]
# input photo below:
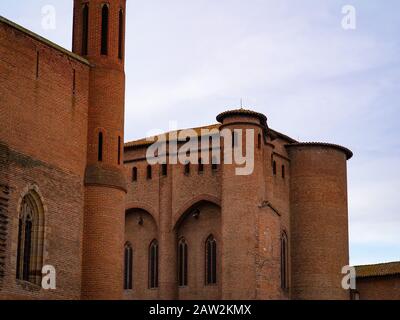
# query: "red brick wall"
[[43, 145], [319, 222], [379, 288]]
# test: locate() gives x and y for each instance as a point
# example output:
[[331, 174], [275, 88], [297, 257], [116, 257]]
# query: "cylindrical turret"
[[242, 194], [319, 220], [99, 31]]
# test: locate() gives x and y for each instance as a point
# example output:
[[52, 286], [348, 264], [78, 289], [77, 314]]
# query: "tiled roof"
[[348, 152], [148, 141], [245, 112], [378, 270]]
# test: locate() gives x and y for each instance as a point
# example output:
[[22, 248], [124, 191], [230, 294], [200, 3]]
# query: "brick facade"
[[53, 106]]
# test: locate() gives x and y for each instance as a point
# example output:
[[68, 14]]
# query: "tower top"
[[99, 31]]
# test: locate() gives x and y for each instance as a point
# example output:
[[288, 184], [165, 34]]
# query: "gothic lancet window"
[[153, 265], [30, 239], [128, 267], [104, 29], [211, 260], [284, 261], [182, 263]]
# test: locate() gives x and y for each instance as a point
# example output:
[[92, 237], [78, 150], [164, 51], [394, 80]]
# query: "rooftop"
[[378, 270], [150, 140], [242, 112], [43, 40]]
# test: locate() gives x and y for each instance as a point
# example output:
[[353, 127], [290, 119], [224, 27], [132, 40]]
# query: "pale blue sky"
[[188, 60]]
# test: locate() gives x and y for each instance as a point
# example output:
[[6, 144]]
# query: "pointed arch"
[[182, 262], [211, 260], [30, 238], [153, 264], [180, 215], [284, 261]]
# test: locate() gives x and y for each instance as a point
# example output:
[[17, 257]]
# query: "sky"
[[292, 60]]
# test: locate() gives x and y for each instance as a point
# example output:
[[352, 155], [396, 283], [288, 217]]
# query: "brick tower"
[[319, 220], [99, 37], [240, 207]]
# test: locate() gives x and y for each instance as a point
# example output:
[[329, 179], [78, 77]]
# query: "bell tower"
[[99, 36]]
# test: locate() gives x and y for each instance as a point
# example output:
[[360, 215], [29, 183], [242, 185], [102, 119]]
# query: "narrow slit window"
[[187, 168], [104, 29], [85, 29], [119, 150], [134, 174], [100, 147], [74, 82], [121, 34], [274, 168], [164, 169], [283, 172], [214, 164], [149, 172], [259, 141], [37, 64], [201, 166]]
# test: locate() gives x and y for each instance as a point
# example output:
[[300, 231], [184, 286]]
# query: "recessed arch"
[[136, 206], [191, 204]]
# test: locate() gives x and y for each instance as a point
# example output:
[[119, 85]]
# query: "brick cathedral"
[[74, 196]]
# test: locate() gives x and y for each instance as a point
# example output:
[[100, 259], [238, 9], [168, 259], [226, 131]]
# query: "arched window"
[[104, 29], [201, 166], [182, 263], [284, 261], [100, 147], [153, 265], [274, 168], [121, 34], [30, 239], [283, 171], [149, 172], [211, 260], [187, 168], [128, 267], [85, 29]]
